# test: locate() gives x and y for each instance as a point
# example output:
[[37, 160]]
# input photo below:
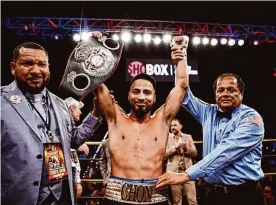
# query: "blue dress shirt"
[[232, 147]]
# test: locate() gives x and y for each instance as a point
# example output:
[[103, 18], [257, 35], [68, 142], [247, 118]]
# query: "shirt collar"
[[228, 115], [174, 135], [42, 95]]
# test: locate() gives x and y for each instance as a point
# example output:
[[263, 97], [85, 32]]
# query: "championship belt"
[[91, 63], [128, 191]]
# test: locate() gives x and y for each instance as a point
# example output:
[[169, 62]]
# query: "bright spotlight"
[[196, 40], [85, 36], [167, 38], [214, 41], [255, 42], [205, 41], [115, 37], [147, 38], [240, 42], [76, 37], [138, 38], [157, 40], [231, 42], [126, 36], [223, 41]]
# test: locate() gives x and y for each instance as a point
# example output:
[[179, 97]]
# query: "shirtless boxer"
[[137, 141]]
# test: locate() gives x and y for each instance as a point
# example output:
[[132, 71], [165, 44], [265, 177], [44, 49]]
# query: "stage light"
[[223, 41], [231, 42], [240, 42], [205, 41], [255, 42], [126, 37], [56, 37], [138, 38], [214, 41], [115, 37], [76, 37], [157, 40], [196, 40], [167, 38], [147, 38], [85, 36]]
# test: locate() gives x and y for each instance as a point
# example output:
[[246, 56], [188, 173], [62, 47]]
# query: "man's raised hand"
[[179, 47]]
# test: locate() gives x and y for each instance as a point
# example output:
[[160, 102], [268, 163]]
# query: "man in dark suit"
[[32, 120]]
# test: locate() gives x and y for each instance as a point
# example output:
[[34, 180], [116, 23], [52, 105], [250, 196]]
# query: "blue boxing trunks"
[[128, 191]]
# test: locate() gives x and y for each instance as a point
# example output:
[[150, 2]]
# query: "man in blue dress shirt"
[[232, 145]]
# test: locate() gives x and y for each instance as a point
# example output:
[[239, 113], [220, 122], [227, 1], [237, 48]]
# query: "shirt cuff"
[[187, 96], [99, 119], [93, 121], [194, 173]]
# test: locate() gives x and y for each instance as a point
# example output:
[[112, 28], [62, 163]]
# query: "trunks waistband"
[[134, 191]]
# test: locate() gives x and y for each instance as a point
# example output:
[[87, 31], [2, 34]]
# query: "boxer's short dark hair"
[[144, 76]]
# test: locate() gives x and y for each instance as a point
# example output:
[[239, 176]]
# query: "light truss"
[[51, 26]]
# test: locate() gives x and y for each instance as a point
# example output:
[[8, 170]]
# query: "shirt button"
[[39, 156], [36, 183]]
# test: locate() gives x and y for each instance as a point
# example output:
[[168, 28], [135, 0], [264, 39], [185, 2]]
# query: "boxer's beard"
[[26, 88], [141, 112]]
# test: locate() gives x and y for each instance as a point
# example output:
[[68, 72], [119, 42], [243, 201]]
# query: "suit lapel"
[[57, 110], [183, 138], [172, 141], [22, 108], [59, 116]]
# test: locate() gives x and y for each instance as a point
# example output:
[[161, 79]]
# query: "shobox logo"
[[136, 67]]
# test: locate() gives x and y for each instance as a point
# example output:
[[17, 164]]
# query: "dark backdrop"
[[254, 64]]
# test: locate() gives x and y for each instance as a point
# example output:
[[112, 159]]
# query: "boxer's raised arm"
[[106, 103], [177, 94]]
